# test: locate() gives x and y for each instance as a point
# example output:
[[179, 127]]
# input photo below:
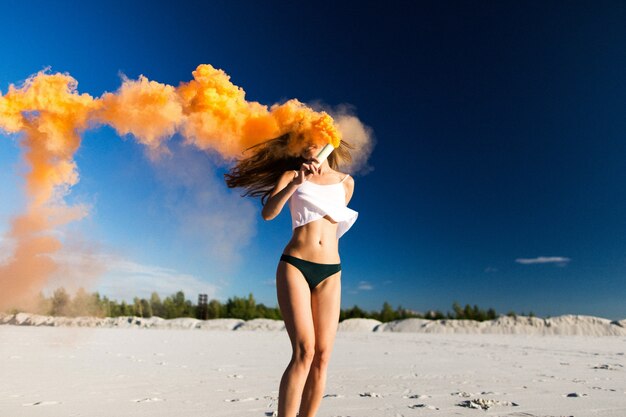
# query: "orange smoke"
[[209, 111], [50, 114], [151, 111]]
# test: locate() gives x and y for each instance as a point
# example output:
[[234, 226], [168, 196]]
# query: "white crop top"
[[312, 201]]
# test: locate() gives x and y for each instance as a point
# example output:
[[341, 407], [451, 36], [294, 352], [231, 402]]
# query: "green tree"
[[268, 312], [124, 309], [477, 313], [352, 313], [146, 308], [215, 309], [44, 305], [116, 308], [468, 313], [177, 306], [60, 302], [137, 307], [458, 311], [387, 313], [184, 306], [437, 315], [157, 305], [106, 307], [241, 308]]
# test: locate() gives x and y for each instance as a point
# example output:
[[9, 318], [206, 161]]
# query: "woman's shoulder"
[[344, 176], [346, 179]]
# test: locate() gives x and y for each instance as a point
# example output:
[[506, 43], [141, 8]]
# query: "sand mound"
[[221, 324], [181, 323], [562, 325], [261, 324], [358, 325]]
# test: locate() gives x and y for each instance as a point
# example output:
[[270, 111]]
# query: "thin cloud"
[[209, 217], [365, 286], [125, 279], [543, 260], [129, 279]]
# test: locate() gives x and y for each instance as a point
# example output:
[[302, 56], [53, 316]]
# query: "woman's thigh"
[[294, 301], [326, 307]]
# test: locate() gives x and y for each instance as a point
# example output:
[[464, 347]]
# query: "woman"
[[308, 282]]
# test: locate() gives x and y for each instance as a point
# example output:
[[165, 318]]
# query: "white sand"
[[139, 371]]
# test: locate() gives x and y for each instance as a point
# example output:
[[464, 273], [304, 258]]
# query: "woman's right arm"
[[286, 185], [278, 197]]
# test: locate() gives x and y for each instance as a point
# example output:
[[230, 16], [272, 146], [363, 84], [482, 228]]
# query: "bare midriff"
[[315, 242]]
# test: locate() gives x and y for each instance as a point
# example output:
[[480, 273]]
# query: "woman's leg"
[[294, 301], [326, 306]]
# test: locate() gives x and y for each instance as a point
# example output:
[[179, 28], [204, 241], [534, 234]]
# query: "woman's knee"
[[321, 358], [304, 352]]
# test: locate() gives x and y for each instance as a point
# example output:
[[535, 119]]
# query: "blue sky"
[[500, 136]]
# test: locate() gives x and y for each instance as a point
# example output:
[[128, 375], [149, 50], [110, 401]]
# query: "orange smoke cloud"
[[151, 111], [209, 111], [50, 113]]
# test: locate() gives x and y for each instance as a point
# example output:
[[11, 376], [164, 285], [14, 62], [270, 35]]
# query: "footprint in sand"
[[484, 403], [370, 394], [41, 403], [428, 407], [462, 394], [613, 367], [418, 396], [148, 400], [333, 396], [234, 400], [574, 395]]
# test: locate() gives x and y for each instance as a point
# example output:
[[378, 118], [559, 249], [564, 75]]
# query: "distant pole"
[[203, 311]]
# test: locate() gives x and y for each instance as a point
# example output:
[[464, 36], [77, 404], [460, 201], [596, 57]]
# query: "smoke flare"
[[210, 112]]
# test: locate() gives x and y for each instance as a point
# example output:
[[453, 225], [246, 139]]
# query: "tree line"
[[60, 303]]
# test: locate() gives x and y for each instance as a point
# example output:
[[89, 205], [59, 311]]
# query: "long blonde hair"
[[259, 173]]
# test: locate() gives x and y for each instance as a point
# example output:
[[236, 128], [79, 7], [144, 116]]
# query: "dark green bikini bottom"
[[313, 272]]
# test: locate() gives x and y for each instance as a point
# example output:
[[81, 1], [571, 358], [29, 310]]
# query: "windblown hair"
[[259, 173]]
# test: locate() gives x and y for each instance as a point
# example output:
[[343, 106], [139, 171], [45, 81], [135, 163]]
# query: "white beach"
[[134, 371]]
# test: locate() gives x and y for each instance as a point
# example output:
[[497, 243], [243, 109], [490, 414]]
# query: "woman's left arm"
[[349, 188]]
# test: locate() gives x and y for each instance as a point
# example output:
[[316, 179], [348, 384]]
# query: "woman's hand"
[[306, 171]]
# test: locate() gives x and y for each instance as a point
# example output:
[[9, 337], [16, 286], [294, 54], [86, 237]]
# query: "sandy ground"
[[68, 371]]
